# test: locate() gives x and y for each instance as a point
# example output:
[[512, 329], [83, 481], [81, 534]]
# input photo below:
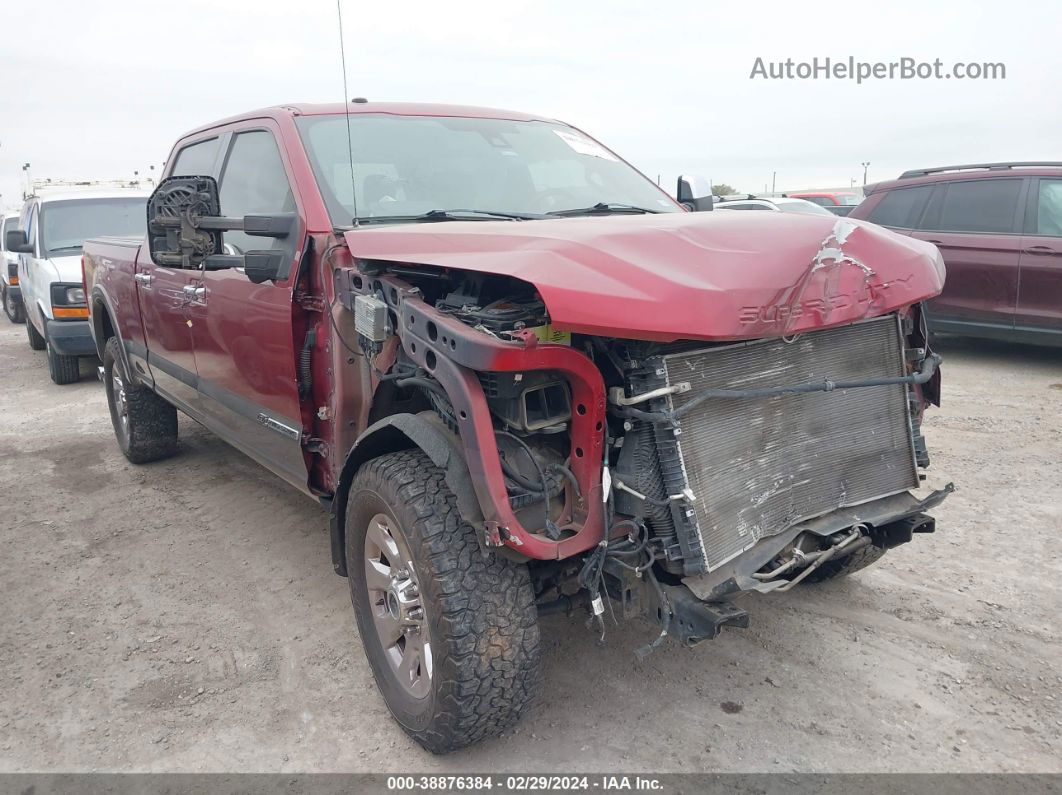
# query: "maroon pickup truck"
[[522, 379]]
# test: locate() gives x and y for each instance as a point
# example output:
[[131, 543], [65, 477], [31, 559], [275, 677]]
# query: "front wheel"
[[14, 310], [451, 633], [144, 424], [62, 368]]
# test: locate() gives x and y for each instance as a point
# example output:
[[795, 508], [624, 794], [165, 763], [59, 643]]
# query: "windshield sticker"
[[584, 146]]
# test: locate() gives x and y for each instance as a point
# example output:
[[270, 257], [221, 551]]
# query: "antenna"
[[346, 110]]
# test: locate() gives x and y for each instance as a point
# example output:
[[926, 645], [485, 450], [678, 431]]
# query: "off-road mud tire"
[[479, 607], [151, 431]]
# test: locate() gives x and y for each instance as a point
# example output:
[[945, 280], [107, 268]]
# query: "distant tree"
[[722, 189]]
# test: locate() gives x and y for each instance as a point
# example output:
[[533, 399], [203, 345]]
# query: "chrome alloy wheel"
[[121, 404], [397, 611]]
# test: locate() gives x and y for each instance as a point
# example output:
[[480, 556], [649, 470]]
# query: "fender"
[[100, 299], [402, 432]]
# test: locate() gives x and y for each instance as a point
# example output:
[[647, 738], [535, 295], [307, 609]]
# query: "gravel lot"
[[184, 616]]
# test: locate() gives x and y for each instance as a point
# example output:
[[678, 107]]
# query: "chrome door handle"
[[143, 278], [196, 293]]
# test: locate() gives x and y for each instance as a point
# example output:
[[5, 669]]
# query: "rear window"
[[1049, 212], [986, 205], [901, 207], [196, 160]]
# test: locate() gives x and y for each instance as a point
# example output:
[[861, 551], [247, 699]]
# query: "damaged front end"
[[665, 475]]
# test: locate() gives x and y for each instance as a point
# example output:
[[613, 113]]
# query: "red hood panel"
[[723, 275]]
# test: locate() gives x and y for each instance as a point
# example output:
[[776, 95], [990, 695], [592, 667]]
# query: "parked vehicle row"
[[521, 379], [998, 227], [44, 284]]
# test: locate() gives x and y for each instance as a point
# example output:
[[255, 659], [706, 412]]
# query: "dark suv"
[[999, 229]]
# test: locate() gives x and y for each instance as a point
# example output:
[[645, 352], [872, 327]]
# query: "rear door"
[[1040, 272], [976, 225], [165, 294], [244, 349]]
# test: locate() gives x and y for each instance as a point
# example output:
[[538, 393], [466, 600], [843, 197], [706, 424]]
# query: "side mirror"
[[15, 241], [185, 225], [176, 211], [695, 194]]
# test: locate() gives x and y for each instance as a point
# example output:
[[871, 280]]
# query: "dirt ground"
[[184, 616]]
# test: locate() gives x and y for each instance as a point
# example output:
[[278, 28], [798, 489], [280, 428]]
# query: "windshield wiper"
[[447, 215], [603, 208], [65, 248]]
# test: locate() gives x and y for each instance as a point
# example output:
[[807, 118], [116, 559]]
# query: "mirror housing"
[[695, 194], [15, 241], [258, 266]]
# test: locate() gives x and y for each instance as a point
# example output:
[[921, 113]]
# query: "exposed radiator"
[[757, 466]]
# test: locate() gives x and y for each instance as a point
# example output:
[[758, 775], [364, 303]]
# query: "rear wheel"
[[451, 633], [36, 341], [849, 564], [13, 309], [144, 424], [62, 368]]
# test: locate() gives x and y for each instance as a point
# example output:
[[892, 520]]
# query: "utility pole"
[[774, 175], [865, 166]]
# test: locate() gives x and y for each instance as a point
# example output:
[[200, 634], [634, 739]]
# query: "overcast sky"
[[98, 90]]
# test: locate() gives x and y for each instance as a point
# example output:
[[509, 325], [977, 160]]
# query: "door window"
[[986, 205], [901, 207], [1049, 208], [254, 182], [196, 160]]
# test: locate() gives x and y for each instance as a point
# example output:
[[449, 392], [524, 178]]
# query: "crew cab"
[[48, 240], [521, 379], [10, 293]]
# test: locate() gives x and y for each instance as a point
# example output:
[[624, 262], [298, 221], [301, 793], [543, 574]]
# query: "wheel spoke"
[[377, 576], [380, 538], [386, 626], [407, 669]]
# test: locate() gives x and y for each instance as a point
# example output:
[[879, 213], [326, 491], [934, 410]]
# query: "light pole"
[[865, 166]]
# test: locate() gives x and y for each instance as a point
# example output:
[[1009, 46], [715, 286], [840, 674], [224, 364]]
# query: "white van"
[[51, 230], [10, 293]]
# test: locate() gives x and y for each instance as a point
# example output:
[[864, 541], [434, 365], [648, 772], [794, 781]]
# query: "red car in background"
[[999, 228], [837, 202]]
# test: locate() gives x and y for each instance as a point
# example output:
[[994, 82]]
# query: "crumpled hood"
[[723, 275]]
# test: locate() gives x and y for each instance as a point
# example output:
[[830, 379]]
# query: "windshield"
[[410, 165], [65, 225], [848, 199]]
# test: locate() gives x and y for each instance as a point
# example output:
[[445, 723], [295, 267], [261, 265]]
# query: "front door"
[[974, 223], [166, 296], [1040, 288], [244, 349]]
